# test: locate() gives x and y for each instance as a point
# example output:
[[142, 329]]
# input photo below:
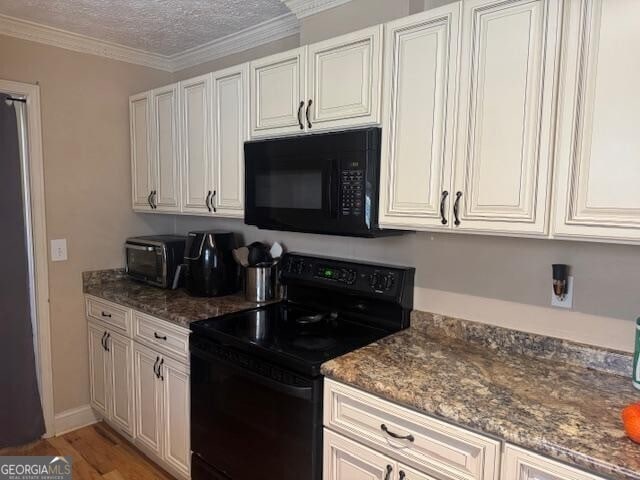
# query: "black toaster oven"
[[154, 259]]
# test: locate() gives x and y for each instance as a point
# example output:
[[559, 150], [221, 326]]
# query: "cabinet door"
[[148, 397], [598, 156], [195, 125], [175, 385], [347, 460], [519, 464], [230, 130], [508, 66], [141, 162], [421, 54], [344, 80], [164, 135], [278, 93], [120, 356], [98, 370], [407, 473]]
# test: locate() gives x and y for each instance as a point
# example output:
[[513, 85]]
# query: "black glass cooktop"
[[290, 334]]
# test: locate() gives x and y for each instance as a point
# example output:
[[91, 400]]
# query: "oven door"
[[250, 419], [146, 263], [292, 192]]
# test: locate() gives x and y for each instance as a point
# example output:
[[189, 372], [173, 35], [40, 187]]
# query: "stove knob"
[[351, 277], [373, 280], [388, 281]]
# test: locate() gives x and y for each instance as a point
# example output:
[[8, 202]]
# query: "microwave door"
[[290, 192]]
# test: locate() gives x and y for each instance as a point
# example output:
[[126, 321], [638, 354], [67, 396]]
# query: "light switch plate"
[[567, 301], [59, 250]]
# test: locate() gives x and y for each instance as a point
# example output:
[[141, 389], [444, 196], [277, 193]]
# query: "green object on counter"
[[636, 357]]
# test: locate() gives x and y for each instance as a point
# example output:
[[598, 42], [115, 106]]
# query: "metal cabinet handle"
[[384, 428], [445, 194], [299, 115], [159, 337], [213, 205], [106, 342], [154, 205], [206, 202], [389, 472], [155, 367], [307, 113], [402, 475], [149, 199], [456, 208], [108, 315], [160, 376], [104, 347]]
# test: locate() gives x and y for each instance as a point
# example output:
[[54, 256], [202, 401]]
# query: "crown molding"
[[35, 32], [265, 32], [304, 8], [268, 31]]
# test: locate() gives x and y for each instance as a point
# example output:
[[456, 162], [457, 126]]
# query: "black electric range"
[[256, 387]]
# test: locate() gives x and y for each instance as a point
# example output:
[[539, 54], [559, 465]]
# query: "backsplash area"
[[490, 279]]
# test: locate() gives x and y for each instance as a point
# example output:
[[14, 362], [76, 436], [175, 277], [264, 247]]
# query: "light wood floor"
[[99, 453]]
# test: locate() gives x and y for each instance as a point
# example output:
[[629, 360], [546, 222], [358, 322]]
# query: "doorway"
[[24, 295]]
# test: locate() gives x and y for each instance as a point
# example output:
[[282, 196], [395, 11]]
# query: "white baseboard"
[[74, 418]]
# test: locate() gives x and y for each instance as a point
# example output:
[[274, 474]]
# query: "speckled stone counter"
[[175, 306], [556, 398]]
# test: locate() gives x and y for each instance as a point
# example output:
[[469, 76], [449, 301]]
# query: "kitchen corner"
[[554, 397]]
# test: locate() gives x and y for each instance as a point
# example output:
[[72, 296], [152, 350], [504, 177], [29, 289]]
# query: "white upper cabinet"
[[421, 54], [598, 150], [505, 117], [327, 85], [165, 149], [141, 162], [195, 132], [278, 93], [230, 131], [343, 80]]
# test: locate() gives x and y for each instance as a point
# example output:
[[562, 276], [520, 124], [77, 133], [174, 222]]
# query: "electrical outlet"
[[59, 250], [567, 300]]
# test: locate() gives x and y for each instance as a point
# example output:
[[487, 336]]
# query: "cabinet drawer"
[[433, 446], [162, 336], [521, 464], [112, 314]]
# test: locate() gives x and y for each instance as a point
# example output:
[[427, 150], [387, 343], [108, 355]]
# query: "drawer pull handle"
[[159, 337], [389, 471], [104, 314], [402, 475], [384, 428]]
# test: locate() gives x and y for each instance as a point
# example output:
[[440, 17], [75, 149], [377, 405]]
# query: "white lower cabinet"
[[345, 459], [520, 464], [111, 376], [162, 409], [142, 389]]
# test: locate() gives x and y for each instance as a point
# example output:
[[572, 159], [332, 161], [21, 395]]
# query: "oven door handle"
[[303, 392], [139, 247]]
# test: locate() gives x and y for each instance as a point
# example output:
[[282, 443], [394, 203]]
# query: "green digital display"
[[328, 273]]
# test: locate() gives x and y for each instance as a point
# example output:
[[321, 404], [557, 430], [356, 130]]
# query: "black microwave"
[[324, 183]]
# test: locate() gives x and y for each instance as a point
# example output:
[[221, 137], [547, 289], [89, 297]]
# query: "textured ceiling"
[[160, 26]]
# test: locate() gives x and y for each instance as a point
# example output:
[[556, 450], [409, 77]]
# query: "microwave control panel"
[[352, 181]]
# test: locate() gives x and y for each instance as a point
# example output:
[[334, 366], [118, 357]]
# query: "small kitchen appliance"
[[210, 270], [256, 387], [327, 183], [154, 259]]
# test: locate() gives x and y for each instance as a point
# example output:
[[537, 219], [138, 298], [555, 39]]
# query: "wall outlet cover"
[[567, 301], [59, 250]]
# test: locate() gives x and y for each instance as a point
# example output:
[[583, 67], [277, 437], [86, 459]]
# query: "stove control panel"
[[361, 277]]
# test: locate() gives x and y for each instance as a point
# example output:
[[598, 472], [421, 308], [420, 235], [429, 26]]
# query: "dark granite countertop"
[[175, 306], [557, 398]]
